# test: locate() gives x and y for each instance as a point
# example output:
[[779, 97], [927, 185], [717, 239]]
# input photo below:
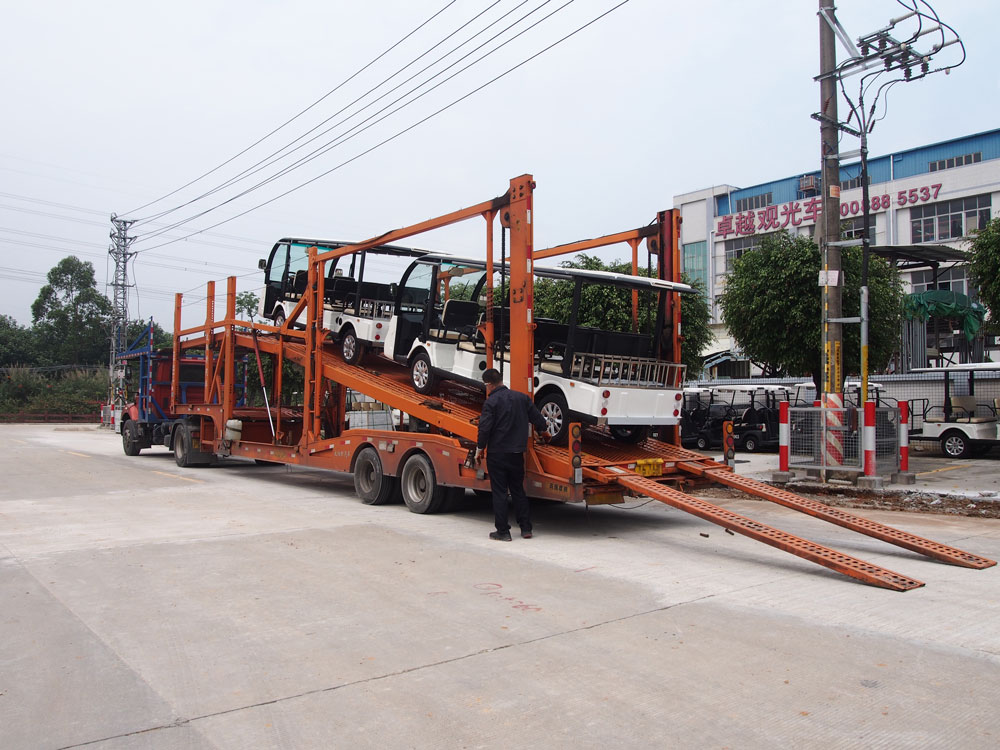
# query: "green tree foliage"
[[984, 267], [71, 317], [23, 390], [771, 306], [17, 343], [610, 308], [246, 305]]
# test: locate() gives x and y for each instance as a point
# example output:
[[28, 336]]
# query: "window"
[[753, 202], [949, 220], [956, 161], [953, 279], [854, 182], [854, 229], [736, 248], [695, 261]]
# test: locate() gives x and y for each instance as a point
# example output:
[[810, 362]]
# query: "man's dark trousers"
[[507, 475]]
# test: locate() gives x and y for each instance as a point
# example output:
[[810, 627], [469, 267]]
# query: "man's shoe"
[[500, 536], [526, 534]]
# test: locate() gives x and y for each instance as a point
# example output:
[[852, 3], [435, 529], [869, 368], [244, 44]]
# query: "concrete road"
[[145, 606]]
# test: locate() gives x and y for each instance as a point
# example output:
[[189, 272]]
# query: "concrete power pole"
[[829, 234], [119, 252]]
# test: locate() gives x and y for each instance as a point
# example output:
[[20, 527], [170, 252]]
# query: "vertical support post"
[[783, 436], [175, 365], [865, 259], [635, 292], [904, 437], [209, 325], [668, 347], [228, 399], [488, 334], [868, 439], [522, 325]]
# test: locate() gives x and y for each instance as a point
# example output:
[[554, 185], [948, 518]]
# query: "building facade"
[[934, 194]]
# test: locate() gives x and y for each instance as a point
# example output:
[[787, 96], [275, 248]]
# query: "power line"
[[287, 122], [406, 129]]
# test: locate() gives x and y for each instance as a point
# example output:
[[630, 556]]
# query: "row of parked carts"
[[753, 410]]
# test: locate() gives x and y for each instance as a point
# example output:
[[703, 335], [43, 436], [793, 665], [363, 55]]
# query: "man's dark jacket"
[[503, 426]]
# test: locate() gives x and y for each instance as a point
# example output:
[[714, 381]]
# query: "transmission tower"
[[119, 252]]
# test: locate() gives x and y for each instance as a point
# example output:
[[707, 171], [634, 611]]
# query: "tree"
[[246, 305], [771, 306], [984, 267], [17, 343], [610, 308], [71, 317]]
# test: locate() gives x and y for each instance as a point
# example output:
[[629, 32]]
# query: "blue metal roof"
[[881, 168]]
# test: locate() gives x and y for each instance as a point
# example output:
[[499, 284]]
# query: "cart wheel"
[[423, 377], [351, 349], [421, 492], [956, 445], [553, 407], [702, 443], [751, 443], [372, 485], [130, 439]]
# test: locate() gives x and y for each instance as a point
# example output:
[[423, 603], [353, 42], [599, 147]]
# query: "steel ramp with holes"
[[817, 553], [723, 475]]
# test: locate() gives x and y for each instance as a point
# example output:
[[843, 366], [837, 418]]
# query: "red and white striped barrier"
[[904, 436], [783, 435], [834, 414], [868, 439]]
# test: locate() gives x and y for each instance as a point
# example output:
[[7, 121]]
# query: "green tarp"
[[941, 303]]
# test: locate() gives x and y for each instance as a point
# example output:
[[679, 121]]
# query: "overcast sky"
[[111, 104]]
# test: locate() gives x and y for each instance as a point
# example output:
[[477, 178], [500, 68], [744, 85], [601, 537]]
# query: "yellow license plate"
[[649, 467]]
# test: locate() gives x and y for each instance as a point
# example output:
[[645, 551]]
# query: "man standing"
[[503, 431]]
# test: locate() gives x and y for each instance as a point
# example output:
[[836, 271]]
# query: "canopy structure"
[[942, 303]]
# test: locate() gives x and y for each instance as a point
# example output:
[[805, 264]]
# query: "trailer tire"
[[182, 446], [351, 349], [632, 435], [130, 439], [554, 408], [419, 486], [372, 485], [955, 444]]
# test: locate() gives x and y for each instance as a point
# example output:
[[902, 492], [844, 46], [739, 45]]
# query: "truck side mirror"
[[262, 264]]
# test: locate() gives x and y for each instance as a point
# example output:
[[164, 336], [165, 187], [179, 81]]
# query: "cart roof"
[[969, 367]]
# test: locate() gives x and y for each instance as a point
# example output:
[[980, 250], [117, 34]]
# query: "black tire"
[[556, 412], [419, 486], [624, 434], [130, 439], [279, 318], [751, 443], [955, 444], [422, 374], [351, 349], [182, 446], [371, 484], [701, 443]]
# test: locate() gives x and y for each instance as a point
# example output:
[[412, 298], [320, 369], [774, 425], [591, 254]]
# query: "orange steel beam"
[[425, 226], [229, 400], [610, 239], [817, 553], [175, 365], [209, 326], [850, 521], [522, 349], [634, 244], [487, 327]]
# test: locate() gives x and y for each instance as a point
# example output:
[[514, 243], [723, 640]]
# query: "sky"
[[112, 105]]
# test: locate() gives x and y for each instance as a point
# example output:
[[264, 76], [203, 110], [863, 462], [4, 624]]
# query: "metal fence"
[[831, 439]]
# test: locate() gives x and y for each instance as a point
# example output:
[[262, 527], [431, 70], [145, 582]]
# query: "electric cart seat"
[[458, 319], [963, 410]]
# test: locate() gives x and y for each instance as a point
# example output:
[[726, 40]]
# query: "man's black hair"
[[492, 377]]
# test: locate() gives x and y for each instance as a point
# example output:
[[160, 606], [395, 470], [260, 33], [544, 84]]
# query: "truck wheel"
[[556, 412], [130, 439], [421, 492], [423, 377], [351, 349], [955, 444], [372, 485], [182, 446], [630, 434]]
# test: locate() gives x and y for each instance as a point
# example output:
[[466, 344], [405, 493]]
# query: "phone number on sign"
[[884, 202]]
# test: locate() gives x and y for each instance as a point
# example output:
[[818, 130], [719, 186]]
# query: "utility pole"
[[833, 330], [119, 252]]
